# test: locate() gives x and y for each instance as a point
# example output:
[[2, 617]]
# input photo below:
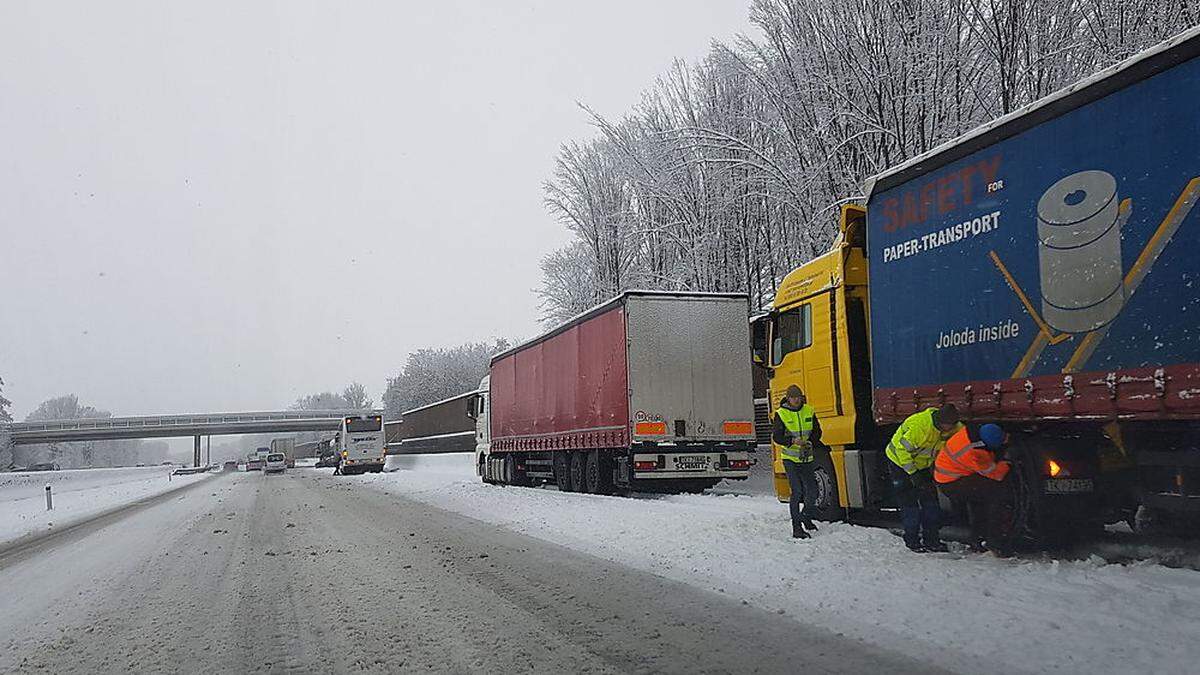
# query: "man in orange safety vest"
[[967, 471]]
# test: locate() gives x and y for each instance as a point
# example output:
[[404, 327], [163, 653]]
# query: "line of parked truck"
[[1038, 272]]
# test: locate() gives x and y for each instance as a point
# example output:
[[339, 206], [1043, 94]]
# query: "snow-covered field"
[[1026, 614], [77, 495]]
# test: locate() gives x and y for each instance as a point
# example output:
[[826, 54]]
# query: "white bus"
[[360, 445]]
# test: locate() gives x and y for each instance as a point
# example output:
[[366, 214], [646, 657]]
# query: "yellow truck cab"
[[816, 337]]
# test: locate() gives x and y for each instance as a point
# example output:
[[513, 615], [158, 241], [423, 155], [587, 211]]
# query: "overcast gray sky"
[[224, 205]]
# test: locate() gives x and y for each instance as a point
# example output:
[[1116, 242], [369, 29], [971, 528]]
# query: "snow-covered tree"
[[729, 172], [353, 397], [356, 397], [326, 400], [64, 408], [430, 375], [6, 448], [80, 453], [5, 415], [570, 283]]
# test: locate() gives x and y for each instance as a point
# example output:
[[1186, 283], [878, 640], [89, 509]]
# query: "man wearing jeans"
[[796, 431]]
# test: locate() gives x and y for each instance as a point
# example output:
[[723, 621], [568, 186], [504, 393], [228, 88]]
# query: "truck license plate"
[[691, 463], [1068, 485]]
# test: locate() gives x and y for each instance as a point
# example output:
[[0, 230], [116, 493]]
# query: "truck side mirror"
[[758, 339]]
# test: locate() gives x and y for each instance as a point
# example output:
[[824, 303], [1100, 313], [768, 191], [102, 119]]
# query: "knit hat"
[[992, 436]]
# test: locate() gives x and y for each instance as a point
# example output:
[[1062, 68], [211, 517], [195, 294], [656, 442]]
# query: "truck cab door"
[[802, 354], [479, 409]]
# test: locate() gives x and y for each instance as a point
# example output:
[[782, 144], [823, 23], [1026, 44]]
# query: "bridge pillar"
[[6, 448], [196, 452]]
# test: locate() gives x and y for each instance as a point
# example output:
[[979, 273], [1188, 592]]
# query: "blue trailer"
[[1042, 272]]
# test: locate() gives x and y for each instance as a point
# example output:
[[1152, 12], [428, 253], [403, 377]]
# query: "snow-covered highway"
[[313, 573]]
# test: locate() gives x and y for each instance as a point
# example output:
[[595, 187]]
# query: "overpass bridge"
[[164, 426]]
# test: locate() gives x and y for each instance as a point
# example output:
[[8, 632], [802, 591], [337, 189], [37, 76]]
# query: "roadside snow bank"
[[23, 484], [78, 495], [1034, 615]]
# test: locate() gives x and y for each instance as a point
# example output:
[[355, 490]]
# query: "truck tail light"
[[1055, 469], [650, 428], [645, 466], [739, 428], [739, 464]]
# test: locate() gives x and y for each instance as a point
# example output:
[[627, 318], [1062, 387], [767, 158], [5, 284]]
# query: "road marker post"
[[49, 499]]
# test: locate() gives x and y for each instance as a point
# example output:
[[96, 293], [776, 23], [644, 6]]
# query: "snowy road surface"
[[1029, 614], [313, 573]]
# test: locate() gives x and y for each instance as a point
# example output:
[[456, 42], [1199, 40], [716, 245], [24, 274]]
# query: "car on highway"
[[231, 465], [276, 462]]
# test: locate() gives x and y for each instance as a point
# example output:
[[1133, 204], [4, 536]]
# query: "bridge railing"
[[189, 420]]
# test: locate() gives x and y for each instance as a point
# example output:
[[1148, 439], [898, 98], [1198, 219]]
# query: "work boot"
[[1001, 551], [810, 526], [914, 545], [977, 546], [936, 546], [799, 533]]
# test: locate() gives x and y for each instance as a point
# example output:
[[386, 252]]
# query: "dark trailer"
[[438, 427]]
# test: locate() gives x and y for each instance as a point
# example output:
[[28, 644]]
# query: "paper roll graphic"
[[1079, 252]]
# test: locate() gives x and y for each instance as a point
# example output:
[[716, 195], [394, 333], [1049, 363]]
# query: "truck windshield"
[[791, 331], [363, 424]]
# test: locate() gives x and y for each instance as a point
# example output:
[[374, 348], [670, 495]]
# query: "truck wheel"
[[578, 469], [509, 476], [519, 477], [1037, 520], [1160, 522], [597, 475], [826, 505], [562, 469]]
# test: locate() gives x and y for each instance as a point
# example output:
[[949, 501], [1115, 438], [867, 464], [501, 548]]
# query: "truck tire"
[[578, 469], [1039, 520], [1161, 522], [562, 470], [519, 477], [827, 506], [597, 476], [509, 475]]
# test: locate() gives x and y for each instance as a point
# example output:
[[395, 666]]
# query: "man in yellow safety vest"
[[797, 432], [912, 451]]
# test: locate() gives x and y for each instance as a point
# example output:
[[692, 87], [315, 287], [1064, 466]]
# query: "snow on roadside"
[[967, 613], [77, 495]]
